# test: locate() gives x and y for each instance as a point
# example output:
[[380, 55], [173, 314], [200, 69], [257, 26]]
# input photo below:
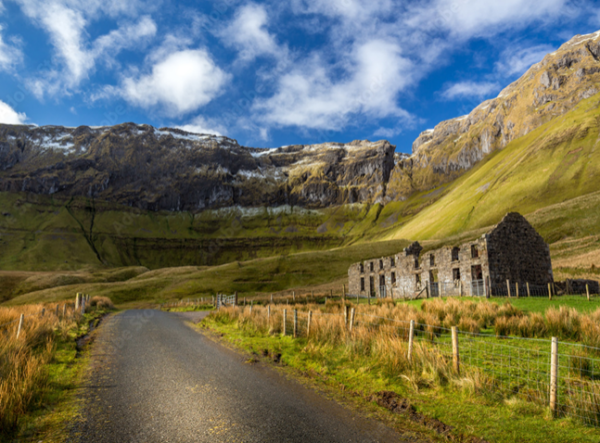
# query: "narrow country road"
[[154, 379]]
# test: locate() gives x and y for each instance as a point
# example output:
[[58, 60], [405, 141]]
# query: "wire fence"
[[562, 375], [60, 312]]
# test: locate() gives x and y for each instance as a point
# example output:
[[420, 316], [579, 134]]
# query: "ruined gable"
[[518, 253]]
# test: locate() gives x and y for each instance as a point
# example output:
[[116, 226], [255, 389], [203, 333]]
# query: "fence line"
[[562, 375]]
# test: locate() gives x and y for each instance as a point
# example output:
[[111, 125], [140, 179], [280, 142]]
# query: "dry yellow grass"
[[23, 359]]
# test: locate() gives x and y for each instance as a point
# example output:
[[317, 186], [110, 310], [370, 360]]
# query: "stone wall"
[[518, 253], [410, 272]]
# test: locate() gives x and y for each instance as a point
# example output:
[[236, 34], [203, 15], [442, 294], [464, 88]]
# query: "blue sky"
[[272, 73]]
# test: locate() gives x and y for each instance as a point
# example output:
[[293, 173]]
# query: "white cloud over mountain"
[[180, 83], [311, 97], [469, 89], [9, 116], [248, 33]]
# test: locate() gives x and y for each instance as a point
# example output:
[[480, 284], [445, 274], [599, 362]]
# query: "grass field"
[[500, 394]]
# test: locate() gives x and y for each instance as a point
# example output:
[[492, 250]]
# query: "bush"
[[102, 303]]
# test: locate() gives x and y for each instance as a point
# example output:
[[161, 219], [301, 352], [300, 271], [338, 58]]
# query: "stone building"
[[512, 251]]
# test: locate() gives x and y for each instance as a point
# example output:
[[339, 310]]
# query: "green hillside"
[[556, 163], [550, 176]]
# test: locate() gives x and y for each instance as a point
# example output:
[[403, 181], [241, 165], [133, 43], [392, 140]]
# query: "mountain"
[[133, 195], [546, 91], [169, 169]]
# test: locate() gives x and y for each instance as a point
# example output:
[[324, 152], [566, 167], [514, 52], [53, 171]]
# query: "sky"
[[272, 73]]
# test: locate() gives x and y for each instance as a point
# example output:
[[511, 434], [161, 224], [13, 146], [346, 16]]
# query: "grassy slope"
[[558, 162], [259, 275]]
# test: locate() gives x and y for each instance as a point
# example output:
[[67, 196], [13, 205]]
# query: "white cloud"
[[248, 34], [201, 125], [470, 89], [127, 36], [387, 132], [9, 116], [347, 9], [66, 27], [66, 22], [180, 83], [471, 18], [10, 55], [309, 96], [516, 61]]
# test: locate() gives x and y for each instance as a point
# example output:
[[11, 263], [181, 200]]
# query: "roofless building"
[[512, 251]]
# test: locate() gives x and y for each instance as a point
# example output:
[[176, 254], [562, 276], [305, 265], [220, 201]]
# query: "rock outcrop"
[[169, 169]]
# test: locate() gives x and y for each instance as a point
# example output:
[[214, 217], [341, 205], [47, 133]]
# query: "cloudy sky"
[[272, 73]]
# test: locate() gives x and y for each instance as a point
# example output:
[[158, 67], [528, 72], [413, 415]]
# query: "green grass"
[[530, 304], [254, 276], [490, 416]]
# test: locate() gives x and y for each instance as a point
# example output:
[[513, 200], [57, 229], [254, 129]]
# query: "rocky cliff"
[[547, 90], [169, 169]]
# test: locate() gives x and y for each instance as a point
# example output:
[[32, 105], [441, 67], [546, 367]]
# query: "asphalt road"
[[154, 379]]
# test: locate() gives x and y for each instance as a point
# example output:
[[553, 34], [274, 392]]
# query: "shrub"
[[563, 322], [102, 302]]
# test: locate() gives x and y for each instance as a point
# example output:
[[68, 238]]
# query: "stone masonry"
[[512, 251]]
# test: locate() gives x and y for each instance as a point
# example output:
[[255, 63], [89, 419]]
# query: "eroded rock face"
[[169, 169], [547, 90]]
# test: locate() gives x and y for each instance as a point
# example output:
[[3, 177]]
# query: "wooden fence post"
[[56, 310], [357, 298], [508, 288], [20, 327], [352, 313], [528, 291], [344, 292], [554, 376], [517, 290], [284, 320], [346, 316], [269, 314], [308, 323], [455, 356], [77, 301], [460, 292], [549, 291], [295, 323], [411, 338], [294, 296], [587, 290]]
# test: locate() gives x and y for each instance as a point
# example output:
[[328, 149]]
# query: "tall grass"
[[23, 360], [379, 340]]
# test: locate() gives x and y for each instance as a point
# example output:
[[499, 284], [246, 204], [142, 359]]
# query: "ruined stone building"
[[512, 251]]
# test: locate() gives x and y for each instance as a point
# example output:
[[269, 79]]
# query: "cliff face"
[[547, 90], [169, 169]]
